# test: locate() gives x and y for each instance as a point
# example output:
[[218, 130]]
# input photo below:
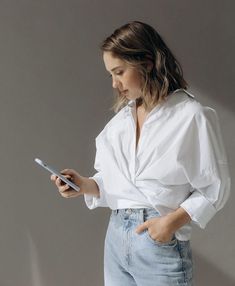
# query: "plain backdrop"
[[55, 98]]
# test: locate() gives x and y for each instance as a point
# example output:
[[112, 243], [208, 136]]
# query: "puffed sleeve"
[[92, 201], [204, 162]]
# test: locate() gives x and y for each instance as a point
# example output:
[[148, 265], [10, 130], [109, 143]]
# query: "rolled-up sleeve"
[[90, 200], [204, 162]]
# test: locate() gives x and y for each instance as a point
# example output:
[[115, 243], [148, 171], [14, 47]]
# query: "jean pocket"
[[150, 213], [172, 242]]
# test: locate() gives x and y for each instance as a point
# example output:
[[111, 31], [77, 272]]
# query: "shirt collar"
[[131, 109], [131, 105]]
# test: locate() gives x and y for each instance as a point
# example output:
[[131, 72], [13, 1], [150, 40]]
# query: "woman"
[[160, 161]]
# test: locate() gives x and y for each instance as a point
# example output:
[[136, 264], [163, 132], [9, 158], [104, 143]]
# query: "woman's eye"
[[119, 73]]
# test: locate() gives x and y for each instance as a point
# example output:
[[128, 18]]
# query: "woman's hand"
[[158, 228], [65, 190], [163, 228]]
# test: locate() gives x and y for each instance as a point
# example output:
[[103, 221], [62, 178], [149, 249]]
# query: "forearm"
[[177, 219], [91, 187]]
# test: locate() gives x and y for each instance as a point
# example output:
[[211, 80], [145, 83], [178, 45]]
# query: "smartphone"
[[54, 172]]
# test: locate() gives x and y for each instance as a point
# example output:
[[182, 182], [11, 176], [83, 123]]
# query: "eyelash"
[[118, 73]]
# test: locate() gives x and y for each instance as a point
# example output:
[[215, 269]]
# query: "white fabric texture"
[[180, 161]]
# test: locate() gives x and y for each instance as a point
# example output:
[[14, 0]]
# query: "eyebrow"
[[115, 68]]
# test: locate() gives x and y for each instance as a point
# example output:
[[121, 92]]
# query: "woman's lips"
[[124, 91]]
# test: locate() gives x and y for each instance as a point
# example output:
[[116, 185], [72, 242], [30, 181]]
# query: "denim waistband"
[[135, 212]]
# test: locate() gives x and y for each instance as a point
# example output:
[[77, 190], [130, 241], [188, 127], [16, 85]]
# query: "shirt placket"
[[134, 162]]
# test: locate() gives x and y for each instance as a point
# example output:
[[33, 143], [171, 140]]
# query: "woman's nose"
[[115, 83]]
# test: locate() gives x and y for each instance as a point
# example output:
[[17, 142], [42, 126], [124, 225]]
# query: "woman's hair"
[[138, 44]]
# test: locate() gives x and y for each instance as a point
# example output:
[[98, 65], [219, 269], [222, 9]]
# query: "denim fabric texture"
[[133, 259]]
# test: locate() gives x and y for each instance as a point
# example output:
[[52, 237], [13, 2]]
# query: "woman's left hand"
[[158, 228]]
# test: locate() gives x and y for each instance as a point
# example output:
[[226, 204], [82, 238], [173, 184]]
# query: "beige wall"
[[55, 95]]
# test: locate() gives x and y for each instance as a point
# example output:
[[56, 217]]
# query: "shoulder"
[[116, 120], [187, 105]]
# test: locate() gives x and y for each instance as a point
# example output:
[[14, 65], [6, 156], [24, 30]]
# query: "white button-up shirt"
[[180, 161]]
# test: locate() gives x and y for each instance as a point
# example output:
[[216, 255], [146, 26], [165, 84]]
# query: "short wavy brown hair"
[[137, 43]]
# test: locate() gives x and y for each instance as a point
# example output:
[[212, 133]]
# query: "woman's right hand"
[[64, 189]]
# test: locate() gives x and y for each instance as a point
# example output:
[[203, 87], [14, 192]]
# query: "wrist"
[[91, 187], [177, 219]]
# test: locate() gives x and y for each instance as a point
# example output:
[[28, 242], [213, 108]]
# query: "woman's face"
[[124, 77]]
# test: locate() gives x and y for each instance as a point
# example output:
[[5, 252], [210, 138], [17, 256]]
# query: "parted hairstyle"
[[137, 44]]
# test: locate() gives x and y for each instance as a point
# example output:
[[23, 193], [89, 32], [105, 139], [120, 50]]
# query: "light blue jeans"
[[132, 259]]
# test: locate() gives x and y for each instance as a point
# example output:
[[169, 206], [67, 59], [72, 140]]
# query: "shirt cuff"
[[93, 202], [199, 208]]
